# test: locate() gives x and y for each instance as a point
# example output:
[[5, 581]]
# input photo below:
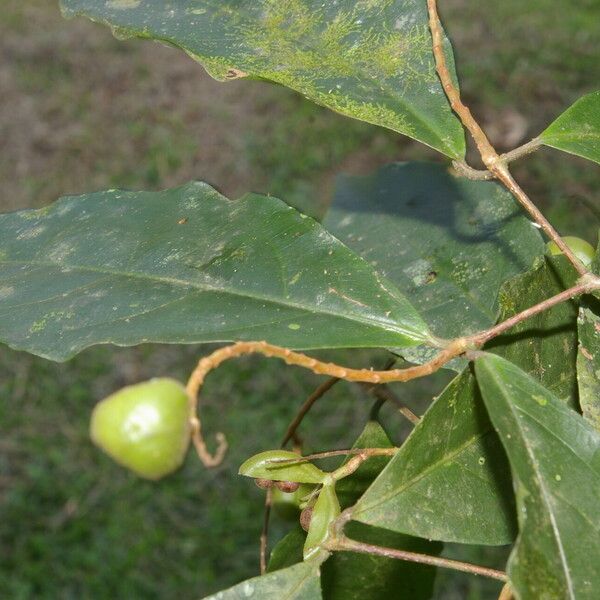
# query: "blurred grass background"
[[81, 111]]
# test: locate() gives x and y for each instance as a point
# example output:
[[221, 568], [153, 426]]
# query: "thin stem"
[[264, 534], [308, 404], [352, 465], [464, 170], [344, 544], [495, 163], [368, 452], [528, 148], [208, 363], [383, 393], [502, 173], [484, 336], [454, 348]]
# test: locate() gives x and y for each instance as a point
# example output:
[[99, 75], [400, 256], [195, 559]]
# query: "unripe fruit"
[[583, 250], [144, 427]]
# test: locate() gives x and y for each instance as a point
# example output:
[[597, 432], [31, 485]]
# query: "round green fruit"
[[583, 250], [144, 427]]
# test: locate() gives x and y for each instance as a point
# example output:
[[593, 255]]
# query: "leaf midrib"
[[538, 478], [207, 288]]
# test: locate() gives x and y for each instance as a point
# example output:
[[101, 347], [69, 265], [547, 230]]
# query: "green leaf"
[[352, 576], [449, 481], [288, 551], [351, 488], [545, 346], [448, 243], [588, 364], [555, 461], [187, 265], [577, 130], [325, 510], [369, 60], [299, 582], [265, 466]]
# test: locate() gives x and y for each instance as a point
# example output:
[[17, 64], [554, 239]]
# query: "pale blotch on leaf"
[[540, 400], [123, 4]]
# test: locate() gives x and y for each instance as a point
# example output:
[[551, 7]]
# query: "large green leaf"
[[448, 243], [555, 460], [369, 60], [187, 265], [588, 364], [577, 130], [544, 346], [449, 480], [299, 582]]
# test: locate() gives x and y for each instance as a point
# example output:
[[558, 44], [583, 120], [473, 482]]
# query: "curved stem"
[[344, 544], [491, 159], [208, 363]]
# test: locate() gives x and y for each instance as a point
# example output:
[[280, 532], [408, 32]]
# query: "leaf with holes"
[[555, 460], [368, 60], [448, 243], [577, 130], [188, 265], [449, 481]]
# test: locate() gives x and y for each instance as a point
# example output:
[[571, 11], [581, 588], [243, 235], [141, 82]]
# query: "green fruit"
[[583, 250], [144, 427]]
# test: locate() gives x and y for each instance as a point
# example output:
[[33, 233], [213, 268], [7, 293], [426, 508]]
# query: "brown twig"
[[454, 348], [384, 394], [344, 544], [368, 452], [491, 159], [208, 363], [308, 404], [264, 534], [464, 170], [485, 336]]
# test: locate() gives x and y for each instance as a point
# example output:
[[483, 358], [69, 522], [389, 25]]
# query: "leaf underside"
[[555, 460], [368, 60], [188, 265]]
